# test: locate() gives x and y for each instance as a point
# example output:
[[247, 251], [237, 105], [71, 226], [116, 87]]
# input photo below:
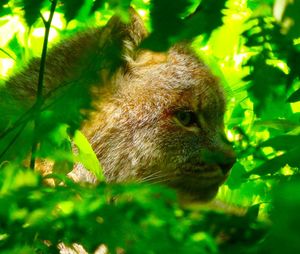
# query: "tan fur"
[[133, 130]]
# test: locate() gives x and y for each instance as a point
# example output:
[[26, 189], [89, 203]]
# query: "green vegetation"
[[253, 46]]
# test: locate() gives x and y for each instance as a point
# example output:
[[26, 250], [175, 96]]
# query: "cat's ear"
[[126, 35], [136, 33], [119, 41]]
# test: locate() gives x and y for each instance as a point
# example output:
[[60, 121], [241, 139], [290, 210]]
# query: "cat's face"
[[165, 125]]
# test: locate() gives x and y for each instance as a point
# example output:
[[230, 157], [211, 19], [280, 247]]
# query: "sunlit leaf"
[[87, 156]]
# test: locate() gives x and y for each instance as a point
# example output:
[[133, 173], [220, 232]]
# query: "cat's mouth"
[[204, 171], [199, 182]]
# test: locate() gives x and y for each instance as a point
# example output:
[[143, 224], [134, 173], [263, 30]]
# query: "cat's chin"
[[197, 188], [199, 195]]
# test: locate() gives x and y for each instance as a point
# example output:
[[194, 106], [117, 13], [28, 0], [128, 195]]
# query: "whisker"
[[158, 178], [160, 181], [155, 174]]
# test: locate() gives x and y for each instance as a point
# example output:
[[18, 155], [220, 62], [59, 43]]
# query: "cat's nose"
[[225, 158], [227, 161]]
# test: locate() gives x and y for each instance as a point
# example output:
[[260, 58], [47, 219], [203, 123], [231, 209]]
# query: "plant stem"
[[39, 95]]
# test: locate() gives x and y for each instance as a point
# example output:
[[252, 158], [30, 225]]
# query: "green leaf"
[[236, 177], [252, 212], [18, 50], [71, 8], [277, 124], [255, 4], [295, 96], [169, 26], [123, 5], [291, 158], [98, 4], [284, 235], [55, 144], [196, 23], [87, 155], [13, 177], [292, 14], [293, 62], [283, 142], [2, 3], [32, 10], [166, 22], [264, 87]]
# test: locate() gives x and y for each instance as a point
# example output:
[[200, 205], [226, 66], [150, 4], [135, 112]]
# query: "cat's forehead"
[[206, 95], [192, 84], [176, 69], [177, 78]]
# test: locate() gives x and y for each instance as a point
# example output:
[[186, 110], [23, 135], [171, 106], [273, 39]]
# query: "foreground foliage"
[[35, 218], [255, 51]]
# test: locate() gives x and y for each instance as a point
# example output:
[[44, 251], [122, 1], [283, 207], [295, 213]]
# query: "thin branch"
[[13, 140], [44, 20], [6, 53], [24, 118], [39, 96], [30, 113]]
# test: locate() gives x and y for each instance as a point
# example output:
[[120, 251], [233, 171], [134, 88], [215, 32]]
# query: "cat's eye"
[[186, 118]]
